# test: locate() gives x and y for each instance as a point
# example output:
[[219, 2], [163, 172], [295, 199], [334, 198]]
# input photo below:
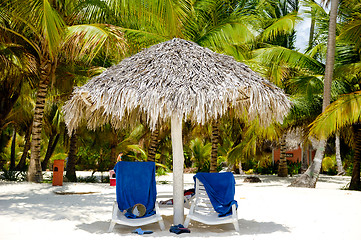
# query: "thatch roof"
[[175, 77]]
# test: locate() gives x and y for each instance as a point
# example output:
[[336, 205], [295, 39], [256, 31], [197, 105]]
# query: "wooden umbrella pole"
[[178, 161]]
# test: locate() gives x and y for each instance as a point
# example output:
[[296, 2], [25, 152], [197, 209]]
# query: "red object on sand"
[[112, 179]]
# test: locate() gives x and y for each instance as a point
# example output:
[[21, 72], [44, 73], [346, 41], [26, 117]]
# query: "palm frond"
[[281, 26], [343, 112], [275, 55], [46, 25], [352, 33], [86, 41]]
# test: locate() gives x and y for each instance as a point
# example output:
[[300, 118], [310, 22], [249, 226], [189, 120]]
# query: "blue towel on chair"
[[136, 184], [220, 188]]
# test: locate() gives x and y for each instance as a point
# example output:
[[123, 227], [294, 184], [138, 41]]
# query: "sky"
[[303, 29]]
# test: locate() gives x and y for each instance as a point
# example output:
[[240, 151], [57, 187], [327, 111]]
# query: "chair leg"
[[236, 226], [111, 227], [161, 225], [235, 217], [186, 222]]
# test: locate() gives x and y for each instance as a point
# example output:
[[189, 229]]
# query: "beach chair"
[[214, 200], [135, 185]]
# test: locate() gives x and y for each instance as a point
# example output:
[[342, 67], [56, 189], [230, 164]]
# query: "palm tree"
[[200, 153], [45, 31], [344, 112]]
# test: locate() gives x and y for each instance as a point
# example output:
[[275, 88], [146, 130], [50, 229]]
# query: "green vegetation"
[[49, 47]]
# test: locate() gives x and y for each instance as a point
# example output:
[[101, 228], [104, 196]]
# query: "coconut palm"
[[21, 116], [45, 31], [17, 66], [345, 111], [342, 113], [200, 153]]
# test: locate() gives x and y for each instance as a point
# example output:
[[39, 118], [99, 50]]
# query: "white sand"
[[267, 210]]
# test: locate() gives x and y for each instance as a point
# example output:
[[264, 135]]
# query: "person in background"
[[120, 157]]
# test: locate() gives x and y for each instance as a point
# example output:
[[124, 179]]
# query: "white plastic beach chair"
[[202, 210], [119, 218], [129, 177]]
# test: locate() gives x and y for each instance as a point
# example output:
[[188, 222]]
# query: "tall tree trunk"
[[113, 149], [50, 150], [355, 179], [153, 145], [22, 163], [240, 169], [34, 171], [214, 152], [309, 178], [70, 166], [282, 167], [304, 164], [340, 169], [12, 155], [312, 29]]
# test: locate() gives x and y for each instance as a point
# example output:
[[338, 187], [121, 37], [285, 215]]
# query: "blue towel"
[[220, 188], [136, 184]]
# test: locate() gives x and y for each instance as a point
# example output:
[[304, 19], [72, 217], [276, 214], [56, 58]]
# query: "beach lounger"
[[135, 185], [214, 200]]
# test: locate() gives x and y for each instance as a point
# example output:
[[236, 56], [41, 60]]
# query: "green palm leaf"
[[86, 41], [41, 20], [276, 55], [343, 112], [282, 26], [352, 32]]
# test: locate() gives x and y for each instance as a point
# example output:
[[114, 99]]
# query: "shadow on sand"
[[247, 227]]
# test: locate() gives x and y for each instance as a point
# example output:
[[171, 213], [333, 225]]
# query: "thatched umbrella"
[[175, 80]]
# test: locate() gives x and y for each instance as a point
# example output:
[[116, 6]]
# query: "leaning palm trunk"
[[70, 166], [12, 155], [309, 178], [22, 163], [153, 145], [282, 167], [340, 169], [304, 163], [214, 152], [355, 179], [34, 171]]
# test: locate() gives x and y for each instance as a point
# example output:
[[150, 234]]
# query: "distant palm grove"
[[50, 47]]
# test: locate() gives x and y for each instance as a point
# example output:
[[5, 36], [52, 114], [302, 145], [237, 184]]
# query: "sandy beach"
[[267, 210]]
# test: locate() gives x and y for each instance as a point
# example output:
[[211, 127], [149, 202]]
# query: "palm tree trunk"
[[355, 179], [22, 163], [12, 155], [282, 167], [34, 171], [214, 152], [312, 29], [153, 145], [304, 164], [340, 169], [51, 147], [70, 166], [240, 169], [113, 149], [309, 178]]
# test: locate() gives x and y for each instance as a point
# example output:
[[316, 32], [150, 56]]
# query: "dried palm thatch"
[[178, 78]]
